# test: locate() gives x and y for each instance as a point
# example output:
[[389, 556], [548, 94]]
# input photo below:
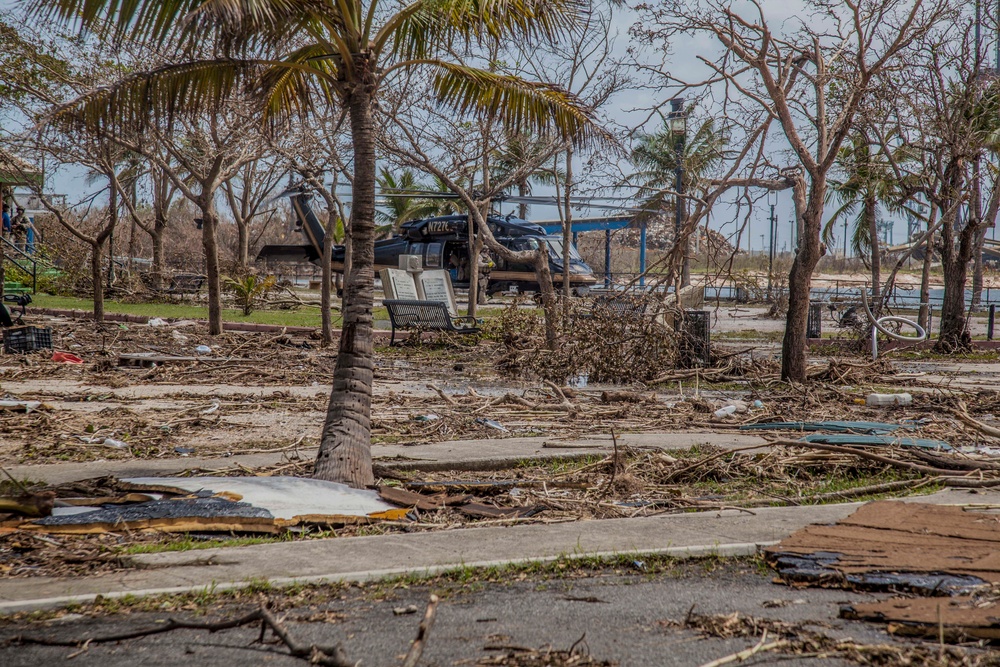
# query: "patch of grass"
[[749, 334], [305, 317]]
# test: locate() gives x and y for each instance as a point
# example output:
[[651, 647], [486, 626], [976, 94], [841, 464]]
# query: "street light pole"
[[772, 199], [678, 128]]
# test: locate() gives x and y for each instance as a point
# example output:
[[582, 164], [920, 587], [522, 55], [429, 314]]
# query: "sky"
[[683, 59]]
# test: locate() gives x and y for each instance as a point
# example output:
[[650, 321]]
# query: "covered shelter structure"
[[608, 224], [16, 172]]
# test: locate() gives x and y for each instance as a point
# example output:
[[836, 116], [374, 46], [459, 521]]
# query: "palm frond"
[[246, 23], [525, 106], [162, 92], [152, 21], [290, 87], [426, 28]]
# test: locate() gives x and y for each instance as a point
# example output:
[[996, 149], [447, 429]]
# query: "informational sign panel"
[[399, 284], [436, 286]]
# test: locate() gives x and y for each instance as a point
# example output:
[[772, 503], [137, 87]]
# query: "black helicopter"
[[442, 243]]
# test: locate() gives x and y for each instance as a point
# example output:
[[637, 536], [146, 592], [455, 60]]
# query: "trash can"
[[814, 323], [695, 345]]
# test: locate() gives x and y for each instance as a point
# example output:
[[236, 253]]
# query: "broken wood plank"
[[404, 498], [957, 618]]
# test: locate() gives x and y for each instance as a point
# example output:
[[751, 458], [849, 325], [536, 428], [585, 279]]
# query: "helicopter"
[[442, 243]]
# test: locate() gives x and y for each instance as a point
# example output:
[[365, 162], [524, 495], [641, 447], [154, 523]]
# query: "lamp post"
[[677, 119], [772, 200]]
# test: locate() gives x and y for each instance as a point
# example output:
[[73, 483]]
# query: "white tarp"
[[283, 497]]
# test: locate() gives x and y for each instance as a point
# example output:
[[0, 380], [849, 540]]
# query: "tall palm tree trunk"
[[345, 450]]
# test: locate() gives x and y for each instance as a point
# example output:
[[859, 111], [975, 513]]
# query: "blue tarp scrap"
[[856, 439], [835, 426]]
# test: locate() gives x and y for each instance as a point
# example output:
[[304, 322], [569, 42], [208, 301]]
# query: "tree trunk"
[[567, 231], [96, 250], [924, 316], [544, 276], [210, 245], [871, 215], [325, 296], [955, 264], [793, 345], [243, 244], [345, 449], [953, 336], [473, 268], [157, 239], [522, 191]]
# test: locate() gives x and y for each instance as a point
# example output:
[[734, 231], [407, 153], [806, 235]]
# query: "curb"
[[248, 327], [731, 550]]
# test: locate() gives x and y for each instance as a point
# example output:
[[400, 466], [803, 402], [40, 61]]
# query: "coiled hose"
[[877, 326]]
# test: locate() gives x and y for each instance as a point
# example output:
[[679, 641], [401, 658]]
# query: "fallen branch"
[[330, 656], [963, 416], [445, 397], [860, 453], [417, 647], [740, 656]]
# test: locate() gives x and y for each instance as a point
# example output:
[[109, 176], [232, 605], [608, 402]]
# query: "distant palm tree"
[[869, 185], [655, 156], [519, 149], [343, 52], [405, 204]]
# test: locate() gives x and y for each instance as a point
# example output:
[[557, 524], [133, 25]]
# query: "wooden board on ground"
[[906, 545], [958, 618]]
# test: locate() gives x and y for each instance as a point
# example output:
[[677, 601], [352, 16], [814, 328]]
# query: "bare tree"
[[949, 113], [811, 80], [313, 151], [586, 67], [246, 195]]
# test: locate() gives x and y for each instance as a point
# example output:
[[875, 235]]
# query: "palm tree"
[[345, 51], [405, 204], [519, 149], [869, 184], [656, 156]]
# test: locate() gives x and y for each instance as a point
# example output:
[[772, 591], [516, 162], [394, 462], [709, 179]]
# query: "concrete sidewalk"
[[726, 533], [449, 455]]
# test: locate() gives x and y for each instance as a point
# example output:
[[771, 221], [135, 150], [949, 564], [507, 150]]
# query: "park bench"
[[186, 283], [620, 306], [408, 315]]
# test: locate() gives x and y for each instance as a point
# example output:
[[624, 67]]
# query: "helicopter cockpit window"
[[433, 258], [528, 243], [556, 249]]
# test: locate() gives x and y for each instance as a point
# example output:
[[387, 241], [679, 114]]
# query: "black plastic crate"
[[27, 339]]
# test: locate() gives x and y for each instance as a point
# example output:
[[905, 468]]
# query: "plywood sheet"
[[887, 544], [959, 617]]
